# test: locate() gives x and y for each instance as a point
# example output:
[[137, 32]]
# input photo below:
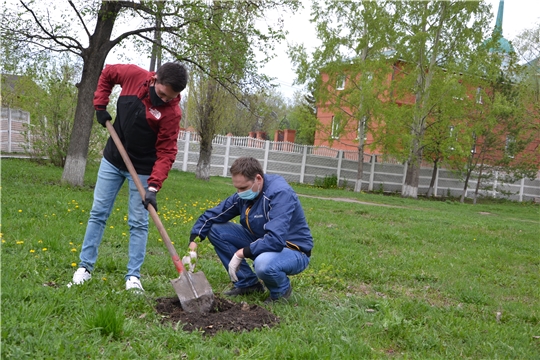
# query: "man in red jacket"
[[147, 122]]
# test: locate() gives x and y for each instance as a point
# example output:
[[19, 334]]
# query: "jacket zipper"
[[247, 218]]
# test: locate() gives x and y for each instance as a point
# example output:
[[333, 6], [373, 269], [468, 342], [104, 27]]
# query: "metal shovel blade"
[[194, 292]]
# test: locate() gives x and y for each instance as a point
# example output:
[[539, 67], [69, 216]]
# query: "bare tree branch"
[[52, 36], [80, 18]]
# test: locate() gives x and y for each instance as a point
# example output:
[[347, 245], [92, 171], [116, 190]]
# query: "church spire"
[[498, 24]]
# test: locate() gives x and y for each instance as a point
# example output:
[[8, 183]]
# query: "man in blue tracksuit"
[[273, 232]]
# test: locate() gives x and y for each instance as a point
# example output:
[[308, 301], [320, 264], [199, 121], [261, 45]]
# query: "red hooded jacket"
[[149, 134]]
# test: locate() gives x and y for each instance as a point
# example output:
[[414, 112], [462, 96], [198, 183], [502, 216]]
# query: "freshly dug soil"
[[225, 315]]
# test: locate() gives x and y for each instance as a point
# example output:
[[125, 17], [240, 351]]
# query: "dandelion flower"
[[32, 251], [112, 227], [73, 264], [44, 249], [20, 210], [73, 250], [104, 279], [20, 242], [40, 241]]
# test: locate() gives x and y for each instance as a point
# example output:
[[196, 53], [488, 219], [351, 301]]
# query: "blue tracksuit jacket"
[[275, 218]]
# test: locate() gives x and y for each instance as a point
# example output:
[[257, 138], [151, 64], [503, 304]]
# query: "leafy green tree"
[[91, 29], [49, 93], [302, 117], [499, 126], [435, 38], [352, 59]]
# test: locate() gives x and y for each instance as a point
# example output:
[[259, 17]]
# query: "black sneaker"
[[258, 287], [285, 296]]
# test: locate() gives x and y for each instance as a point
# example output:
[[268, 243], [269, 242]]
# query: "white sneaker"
[[81, 275], [133, 283]]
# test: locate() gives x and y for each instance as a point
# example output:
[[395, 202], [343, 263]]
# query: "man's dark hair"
[[247, 166], [172, 74]]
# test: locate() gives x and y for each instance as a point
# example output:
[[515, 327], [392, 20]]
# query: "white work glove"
[[234, 265], [190, 260]]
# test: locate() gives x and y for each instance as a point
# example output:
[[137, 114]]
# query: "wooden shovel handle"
[[153, 213]]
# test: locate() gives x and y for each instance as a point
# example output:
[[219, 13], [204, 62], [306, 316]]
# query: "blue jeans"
[[271, 267], [109, 182]]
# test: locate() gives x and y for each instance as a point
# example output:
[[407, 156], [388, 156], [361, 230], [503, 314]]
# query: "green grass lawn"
[[413, 279]]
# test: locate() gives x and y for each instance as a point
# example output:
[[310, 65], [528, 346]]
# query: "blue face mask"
[[249, 194]]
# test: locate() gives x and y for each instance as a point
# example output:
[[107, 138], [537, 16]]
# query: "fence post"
[[9, 132], [436, 187], [521, 189], [186, 150], [494, 194], [226, 160], [29, 138], [303, 167], [340, 157], [372, 172], [266, 150]]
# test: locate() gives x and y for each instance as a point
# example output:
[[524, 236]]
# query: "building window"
[[479, 95], [510, 146], [340, 83], [335, 128]]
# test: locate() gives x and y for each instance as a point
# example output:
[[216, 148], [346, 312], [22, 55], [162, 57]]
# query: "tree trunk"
[[207, 132], [77, 153], [410, 188], [360, 168], [94, 58], [433, 178], [462, 198], [478, 183], [203, 165]]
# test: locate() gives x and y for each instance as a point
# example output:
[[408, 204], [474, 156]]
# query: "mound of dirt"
[[225, 315]]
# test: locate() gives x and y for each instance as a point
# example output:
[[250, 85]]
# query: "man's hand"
[[190, 260], [234, 265], [150, 198], [102, 116]]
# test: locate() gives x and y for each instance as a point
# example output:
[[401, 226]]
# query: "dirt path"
[[358, 202]]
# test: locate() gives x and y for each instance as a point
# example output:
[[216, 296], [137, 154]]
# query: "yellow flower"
[[3, 241], [20, 242], [44, 249], [104, 279], [40, 241], [70, 243], [73, 264], [112, 227], [73, 250], [20, 210], [123, 234], [32, 251]]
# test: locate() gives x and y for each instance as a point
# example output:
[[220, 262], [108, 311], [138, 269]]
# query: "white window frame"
[[340, 82], [509, 139], [479, 95], [335, 128]]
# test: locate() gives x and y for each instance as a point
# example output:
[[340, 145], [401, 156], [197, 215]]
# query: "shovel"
[[193, 290]]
